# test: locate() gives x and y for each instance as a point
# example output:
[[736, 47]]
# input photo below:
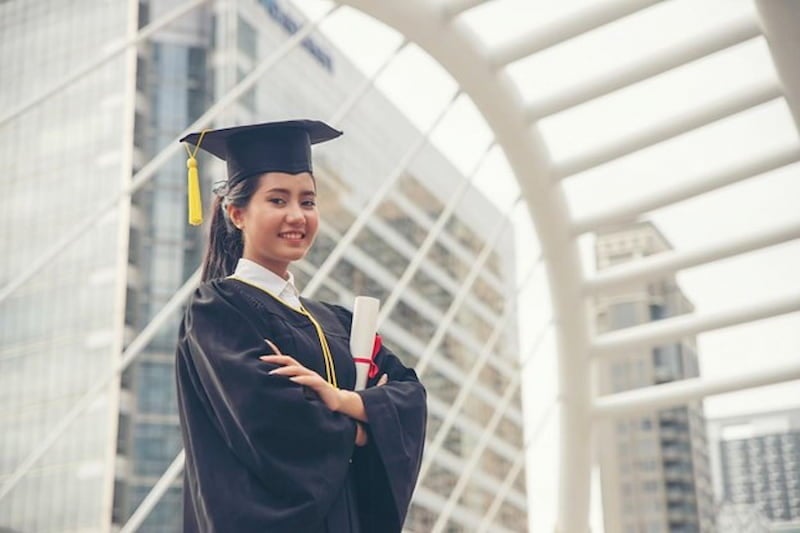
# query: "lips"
[[292, 235]]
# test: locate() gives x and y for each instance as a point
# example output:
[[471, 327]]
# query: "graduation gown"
[[264, 454]]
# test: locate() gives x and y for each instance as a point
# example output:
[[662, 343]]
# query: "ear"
[[236, 215]]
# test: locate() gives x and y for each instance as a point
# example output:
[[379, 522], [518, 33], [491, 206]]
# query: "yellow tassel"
[[195, 203]]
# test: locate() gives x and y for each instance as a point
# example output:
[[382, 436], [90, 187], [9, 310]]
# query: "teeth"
[[292, 235]]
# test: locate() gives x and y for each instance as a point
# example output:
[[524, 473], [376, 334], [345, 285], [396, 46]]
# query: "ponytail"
[[225, 243]]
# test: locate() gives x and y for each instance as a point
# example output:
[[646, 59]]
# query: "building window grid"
[[420, 519], [431, 291], [454, 466], [417, 193], [476, 498], [432, 267], [403, 314], [77, 441], [438, 409], [422, 220]]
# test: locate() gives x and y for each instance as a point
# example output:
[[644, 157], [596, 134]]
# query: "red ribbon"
[[376, 346], [373, 368]]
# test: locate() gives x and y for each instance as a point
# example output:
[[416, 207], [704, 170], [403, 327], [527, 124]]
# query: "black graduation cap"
[[254, 149]]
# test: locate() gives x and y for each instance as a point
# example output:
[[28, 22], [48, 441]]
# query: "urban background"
[[648, 188]]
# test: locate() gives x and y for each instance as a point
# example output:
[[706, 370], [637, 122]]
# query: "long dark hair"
[[225, 244]]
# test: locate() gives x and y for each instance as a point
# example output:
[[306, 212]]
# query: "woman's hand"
[[361, 432], [296, 372], [339, 400], [361, 435]]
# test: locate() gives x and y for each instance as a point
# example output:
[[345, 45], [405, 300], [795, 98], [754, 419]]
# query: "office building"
[[756, 465], [64, 329], [655, 474]]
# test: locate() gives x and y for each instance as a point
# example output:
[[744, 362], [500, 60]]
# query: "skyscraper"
[[61, 159], [756, 464], [655, 472], [65, 328]]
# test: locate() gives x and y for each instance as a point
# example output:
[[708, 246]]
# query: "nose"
[[294, 214]]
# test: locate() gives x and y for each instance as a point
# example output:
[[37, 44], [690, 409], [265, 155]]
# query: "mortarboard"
[[255, 149]]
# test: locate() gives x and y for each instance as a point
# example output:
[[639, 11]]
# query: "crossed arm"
[[338, 400]]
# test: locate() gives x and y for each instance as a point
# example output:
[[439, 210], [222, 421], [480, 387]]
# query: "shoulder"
[[218, 308], [342, 313], [211, 292], [213, 298], [333, 315]]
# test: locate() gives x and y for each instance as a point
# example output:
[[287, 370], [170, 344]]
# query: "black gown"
[[264, 454]]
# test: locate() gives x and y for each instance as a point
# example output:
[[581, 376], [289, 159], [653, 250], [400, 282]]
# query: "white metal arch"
[[433, 27]]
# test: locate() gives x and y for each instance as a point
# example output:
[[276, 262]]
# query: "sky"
[[734, 211]]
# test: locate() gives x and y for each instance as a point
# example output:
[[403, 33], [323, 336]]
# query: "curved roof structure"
[[740, 64]]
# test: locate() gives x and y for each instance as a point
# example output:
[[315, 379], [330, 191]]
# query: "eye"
[[277, 201], [308, 203]]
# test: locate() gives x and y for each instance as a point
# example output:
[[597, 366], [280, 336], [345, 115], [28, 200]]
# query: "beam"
[[680, 392], [501, 494], [475, 455], [443, 327], [172, 307], [588, 18], [453, 8], [659, 62], [156, 493], [464, 516], [758, 94], [433, 234], [143, 34], [629, 212], [375, 201], [516, 468], [436, 444], [668, 263], [671, 329], [780, 19], [496, 96], [365, 86]]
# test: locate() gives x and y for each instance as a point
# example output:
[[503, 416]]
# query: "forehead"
[[301, 183]]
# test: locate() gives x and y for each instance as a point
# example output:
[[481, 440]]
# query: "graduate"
[[276, 439]]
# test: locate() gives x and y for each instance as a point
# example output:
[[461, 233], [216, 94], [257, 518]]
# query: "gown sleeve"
[[387, 468], [285, 456]]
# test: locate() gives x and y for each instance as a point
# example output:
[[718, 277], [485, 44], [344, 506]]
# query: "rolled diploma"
[[362, 335]]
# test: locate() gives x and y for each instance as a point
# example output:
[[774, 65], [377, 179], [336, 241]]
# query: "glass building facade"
[[655, 470], [172, 91], [62, 330], [72, 320]]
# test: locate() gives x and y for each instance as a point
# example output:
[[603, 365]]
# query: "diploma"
[[362, 336]]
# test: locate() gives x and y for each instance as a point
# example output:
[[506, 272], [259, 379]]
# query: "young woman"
[[276, 439]]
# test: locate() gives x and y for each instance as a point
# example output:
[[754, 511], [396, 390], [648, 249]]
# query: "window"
[[155, 388], [155, 445], [246, 39], [623, 315]]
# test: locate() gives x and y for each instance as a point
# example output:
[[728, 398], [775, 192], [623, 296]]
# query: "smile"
[[292, 235]]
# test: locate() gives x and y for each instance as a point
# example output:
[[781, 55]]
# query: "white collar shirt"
[[283, 289]]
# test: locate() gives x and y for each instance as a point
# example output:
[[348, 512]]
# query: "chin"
[[296, 256]]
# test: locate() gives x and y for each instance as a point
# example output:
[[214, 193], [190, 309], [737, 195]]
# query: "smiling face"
[[280, 221]]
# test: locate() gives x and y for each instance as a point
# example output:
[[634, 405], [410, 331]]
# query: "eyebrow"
[[287, 191]]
